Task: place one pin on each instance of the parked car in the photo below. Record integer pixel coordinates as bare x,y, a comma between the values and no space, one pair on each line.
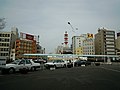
82,62
19,65
68,63
34,65
55,64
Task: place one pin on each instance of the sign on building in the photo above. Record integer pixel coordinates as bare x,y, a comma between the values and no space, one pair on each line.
90,35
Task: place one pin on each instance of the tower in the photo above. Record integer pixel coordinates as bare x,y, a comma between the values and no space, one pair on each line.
66,39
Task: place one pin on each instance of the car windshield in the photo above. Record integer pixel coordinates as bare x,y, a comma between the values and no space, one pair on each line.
15,62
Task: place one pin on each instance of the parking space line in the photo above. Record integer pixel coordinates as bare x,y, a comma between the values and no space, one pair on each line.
111,69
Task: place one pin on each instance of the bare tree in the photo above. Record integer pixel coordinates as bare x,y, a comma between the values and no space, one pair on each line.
2,23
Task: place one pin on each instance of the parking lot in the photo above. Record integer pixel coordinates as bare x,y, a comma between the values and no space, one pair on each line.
103,77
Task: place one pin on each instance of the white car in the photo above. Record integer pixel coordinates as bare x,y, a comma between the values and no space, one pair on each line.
34,66
19,65
55,63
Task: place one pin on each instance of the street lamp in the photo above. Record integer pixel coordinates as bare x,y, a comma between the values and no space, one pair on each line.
72,27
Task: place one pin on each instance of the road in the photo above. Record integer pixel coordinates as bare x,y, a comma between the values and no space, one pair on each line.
103,77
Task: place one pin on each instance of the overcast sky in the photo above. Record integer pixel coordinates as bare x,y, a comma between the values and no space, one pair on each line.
49,18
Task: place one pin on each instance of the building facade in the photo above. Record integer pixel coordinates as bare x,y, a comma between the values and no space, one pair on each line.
7,44
105,42
13,45
25,44
118,44
88,46
83,44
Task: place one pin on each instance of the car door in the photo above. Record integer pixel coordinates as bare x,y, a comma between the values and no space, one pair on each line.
28,64
60,63
56,63
20,65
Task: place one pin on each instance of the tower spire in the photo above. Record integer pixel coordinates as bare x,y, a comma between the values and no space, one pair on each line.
66,39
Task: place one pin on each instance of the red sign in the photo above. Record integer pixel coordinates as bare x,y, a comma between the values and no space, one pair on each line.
29,37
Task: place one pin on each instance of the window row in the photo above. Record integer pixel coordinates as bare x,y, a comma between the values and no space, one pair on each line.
4,44
4,49
4,40
110,32
4,35
4,54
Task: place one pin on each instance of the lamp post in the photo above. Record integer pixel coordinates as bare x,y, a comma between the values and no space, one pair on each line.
72,27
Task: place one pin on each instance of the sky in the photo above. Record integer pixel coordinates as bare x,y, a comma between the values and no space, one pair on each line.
49,18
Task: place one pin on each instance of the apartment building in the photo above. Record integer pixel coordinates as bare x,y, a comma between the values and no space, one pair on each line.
88,46
118,44
105,42
7,40
83,44
25,44
77,45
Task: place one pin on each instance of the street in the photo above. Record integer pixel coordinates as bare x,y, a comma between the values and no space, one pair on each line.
103,77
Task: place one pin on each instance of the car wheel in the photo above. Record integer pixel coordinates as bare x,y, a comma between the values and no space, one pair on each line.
55,66
11,71
76,65
64,66
32,69
35,68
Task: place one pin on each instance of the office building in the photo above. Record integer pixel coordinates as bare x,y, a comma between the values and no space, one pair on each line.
118,44
7,44
105,42
25,44
83,44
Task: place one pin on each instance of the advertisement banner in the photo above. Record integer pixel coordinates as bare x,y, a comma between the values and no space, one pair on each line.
29,37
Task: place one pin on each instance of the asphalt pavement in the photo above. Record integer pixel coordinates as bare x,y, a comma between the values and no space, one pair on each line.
103,77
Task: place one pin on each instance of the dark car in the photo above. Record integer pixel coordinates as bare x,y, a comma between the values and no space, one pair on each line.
82,62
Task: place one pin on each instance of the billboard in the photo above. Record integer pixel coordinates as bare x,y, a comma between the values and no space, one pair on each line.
29,37
90,35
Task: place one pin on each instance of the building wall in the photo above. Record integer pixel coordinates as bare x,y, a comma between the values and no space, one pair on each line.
76,43
118,45
7,44
105,42
88,46
5,39
24,46
59,50
79,51
83,44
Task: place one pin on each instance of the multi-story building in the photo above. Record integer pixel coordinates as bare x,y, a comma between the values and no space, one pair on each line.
88,45
7,40
25,44
83,44
59,50
105,42
39,47
13,47
77,44
118,44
